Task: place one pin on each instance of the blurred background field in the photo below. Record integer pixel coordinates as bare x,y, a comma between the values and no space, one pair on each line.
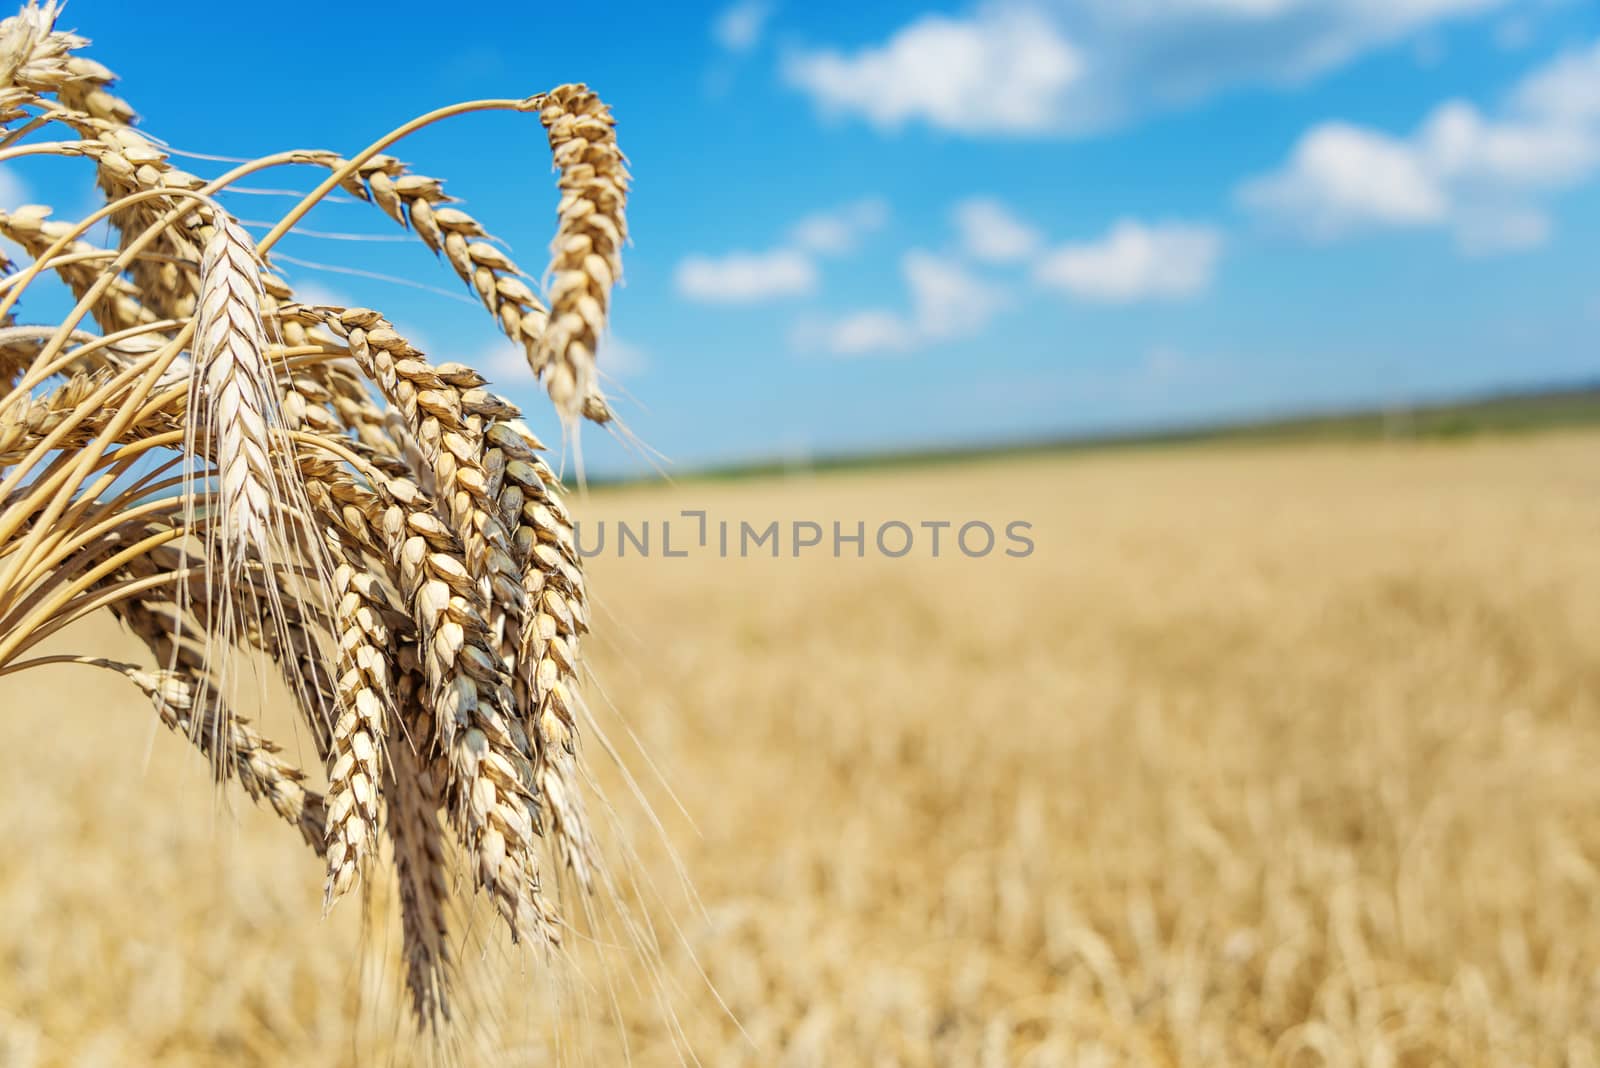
1268,754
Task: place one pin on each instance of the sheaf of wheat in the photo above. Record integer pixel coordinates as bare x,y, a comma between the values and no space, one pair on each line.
234,473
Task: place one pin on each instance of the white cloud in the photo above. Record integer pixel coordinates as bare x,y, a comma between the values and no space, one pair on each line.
1003,71
746,277
1136,261
833,233
789,270
872,331
739,28
1482,176
1567,89
990,233
1457,142
948,302
1043,67
1341,177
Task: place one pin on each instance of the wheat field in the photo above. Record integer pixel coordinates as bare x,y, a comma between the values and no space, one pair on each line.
1266,755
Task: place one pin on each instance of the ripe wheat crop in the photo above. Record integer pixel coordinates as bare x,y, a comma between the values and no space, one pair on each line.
1270,756
246,479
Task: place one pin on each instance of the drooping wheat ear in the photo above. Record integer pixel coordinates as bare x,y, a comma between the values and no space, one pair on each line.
22,425
328,396
36,59
587,250
73,90
28,54
472,251
261,507
293,631
233,392
487,754
408,197
556,616
30,226
187,702
445,411
250,758
413,797
438,406
366,704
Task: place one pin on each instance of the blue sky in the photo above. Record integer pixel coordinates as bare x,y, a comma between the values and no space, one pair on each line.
889,225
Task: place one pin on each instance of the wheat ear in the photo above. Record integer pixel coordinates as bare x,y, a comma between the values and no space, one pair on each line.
586,254
31,227
366,704
413,797
555,617
233,392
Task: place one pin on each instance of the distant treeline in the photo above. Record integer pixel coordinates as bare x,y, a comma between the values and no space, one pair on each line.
1507,412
